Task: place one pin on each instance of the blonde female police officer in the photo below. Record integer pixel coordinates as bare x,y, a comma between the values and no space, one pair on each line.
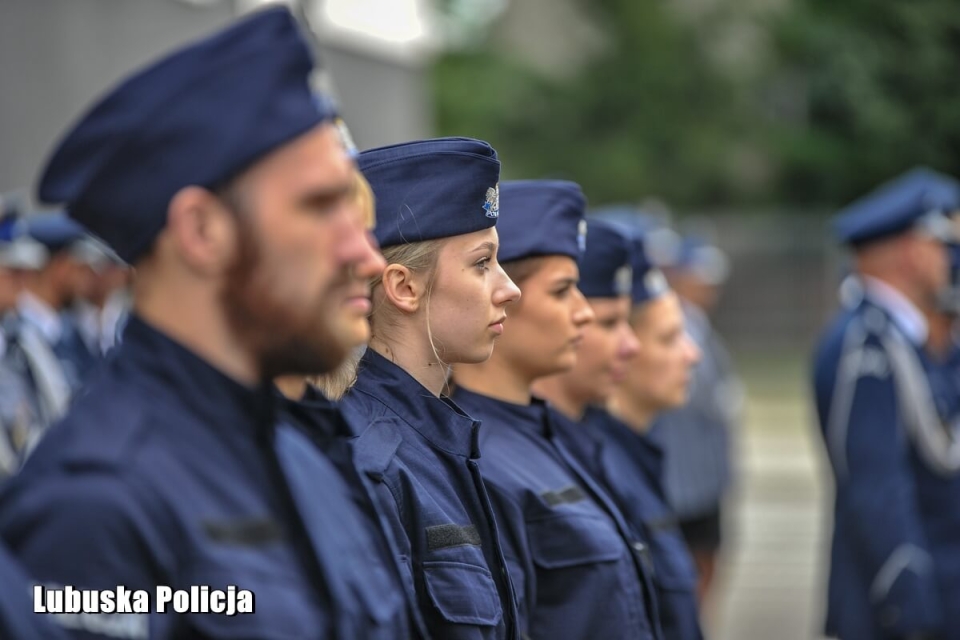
217,175
441,299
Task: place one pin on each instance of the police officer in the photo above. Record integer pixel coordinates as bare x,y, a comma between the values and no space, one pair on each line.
50,292
577,567
696,438
896,521
20,422
220,177
620,283
439,301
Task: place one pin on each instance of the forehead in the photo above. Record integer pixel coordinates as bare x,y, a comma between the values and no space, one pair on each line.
315,160
470,241
554,268
605,307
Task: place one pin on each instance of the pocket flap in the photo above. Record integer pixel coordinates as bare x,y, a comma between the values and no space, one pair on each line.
463,593
573,539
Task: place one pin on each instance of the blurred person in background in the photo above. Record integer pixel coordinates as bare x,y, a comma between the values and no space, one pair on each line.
441,300
44,348
616,279
894,564
175,466
50,292
696,437
20,423
103,303
580,570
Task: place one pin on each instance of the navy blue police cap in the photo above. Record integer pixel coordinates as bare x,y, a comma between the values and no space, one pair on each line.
702,259
648,281
541,218
431,189
199,116
919,198
606,269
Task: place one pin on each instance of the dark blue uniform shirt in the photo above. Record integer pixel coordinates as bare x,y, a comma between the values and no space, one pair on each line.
578,568
17,618
895,556
422,452
167,472
323,421
629,467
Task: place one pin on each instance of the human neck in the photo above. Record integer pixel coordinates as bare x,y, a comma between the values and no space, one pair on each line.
292,387
416,358
555,391
632,413
902,285
496,379
199,324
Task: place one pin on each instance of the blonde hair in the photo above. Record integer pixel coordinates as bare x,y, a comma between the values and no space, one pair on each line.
334,384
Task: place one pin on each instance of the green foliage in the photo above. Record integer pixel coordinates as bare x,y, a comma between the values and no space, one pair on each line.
646,116
848,94
882,94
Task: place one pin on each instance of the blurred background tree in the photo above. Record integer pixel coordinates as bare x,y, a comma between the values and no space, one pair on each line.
708,103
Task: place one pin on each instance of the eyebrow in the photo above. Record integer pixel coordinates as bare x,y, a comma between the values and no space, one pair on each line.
566,282
489,246
325,194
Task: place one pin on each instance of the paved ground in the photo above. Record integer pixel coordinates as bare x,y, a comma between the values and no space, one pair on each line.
772,582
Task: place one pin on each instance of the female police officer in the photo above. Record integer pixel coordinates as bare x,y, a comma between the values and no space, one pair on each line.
627,464
573,558
440,300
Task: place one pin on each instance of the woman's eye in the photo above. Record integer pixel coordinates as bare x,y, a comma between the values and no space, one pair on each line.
483,264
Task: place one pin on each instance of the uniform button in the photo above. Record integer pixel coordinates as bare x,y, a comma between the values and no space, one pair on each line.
639,546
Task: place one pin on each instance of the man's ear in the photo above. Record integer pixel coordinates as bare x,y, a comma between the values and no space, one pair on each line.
202,230
403,288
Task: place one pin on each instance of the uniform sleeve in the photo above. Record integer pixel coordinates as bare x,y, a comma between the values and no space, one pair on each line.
876,497
88,532
511,526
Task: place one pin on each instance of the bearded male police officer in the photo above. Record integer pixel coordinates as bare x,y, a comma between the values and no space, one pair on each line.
895,569
215,173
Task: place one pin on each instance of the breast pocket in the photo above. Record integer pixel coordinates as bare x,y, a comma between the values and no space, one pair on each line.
573,539
462,593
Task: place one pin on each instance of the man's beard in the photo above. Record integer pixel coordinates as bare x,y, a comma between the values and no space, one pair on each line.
284,339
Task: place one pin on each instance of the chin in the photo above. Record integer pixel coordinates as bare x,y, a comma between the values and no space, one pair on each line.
564,363
354,334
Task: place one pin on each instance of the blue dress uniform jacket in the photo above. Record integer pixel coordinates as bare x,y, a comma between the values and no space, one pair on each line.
629,467
579,570
167,472
895,557
17,618
422,453
322,420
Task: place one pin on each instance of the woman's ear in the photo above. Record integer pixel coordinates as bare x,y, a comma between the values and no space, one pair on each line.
403,288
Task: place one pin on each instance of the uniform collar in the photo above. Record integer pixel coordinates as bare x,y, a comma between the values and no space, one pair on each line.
534,417
40,315
439,420
217,399
904,313
317,413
